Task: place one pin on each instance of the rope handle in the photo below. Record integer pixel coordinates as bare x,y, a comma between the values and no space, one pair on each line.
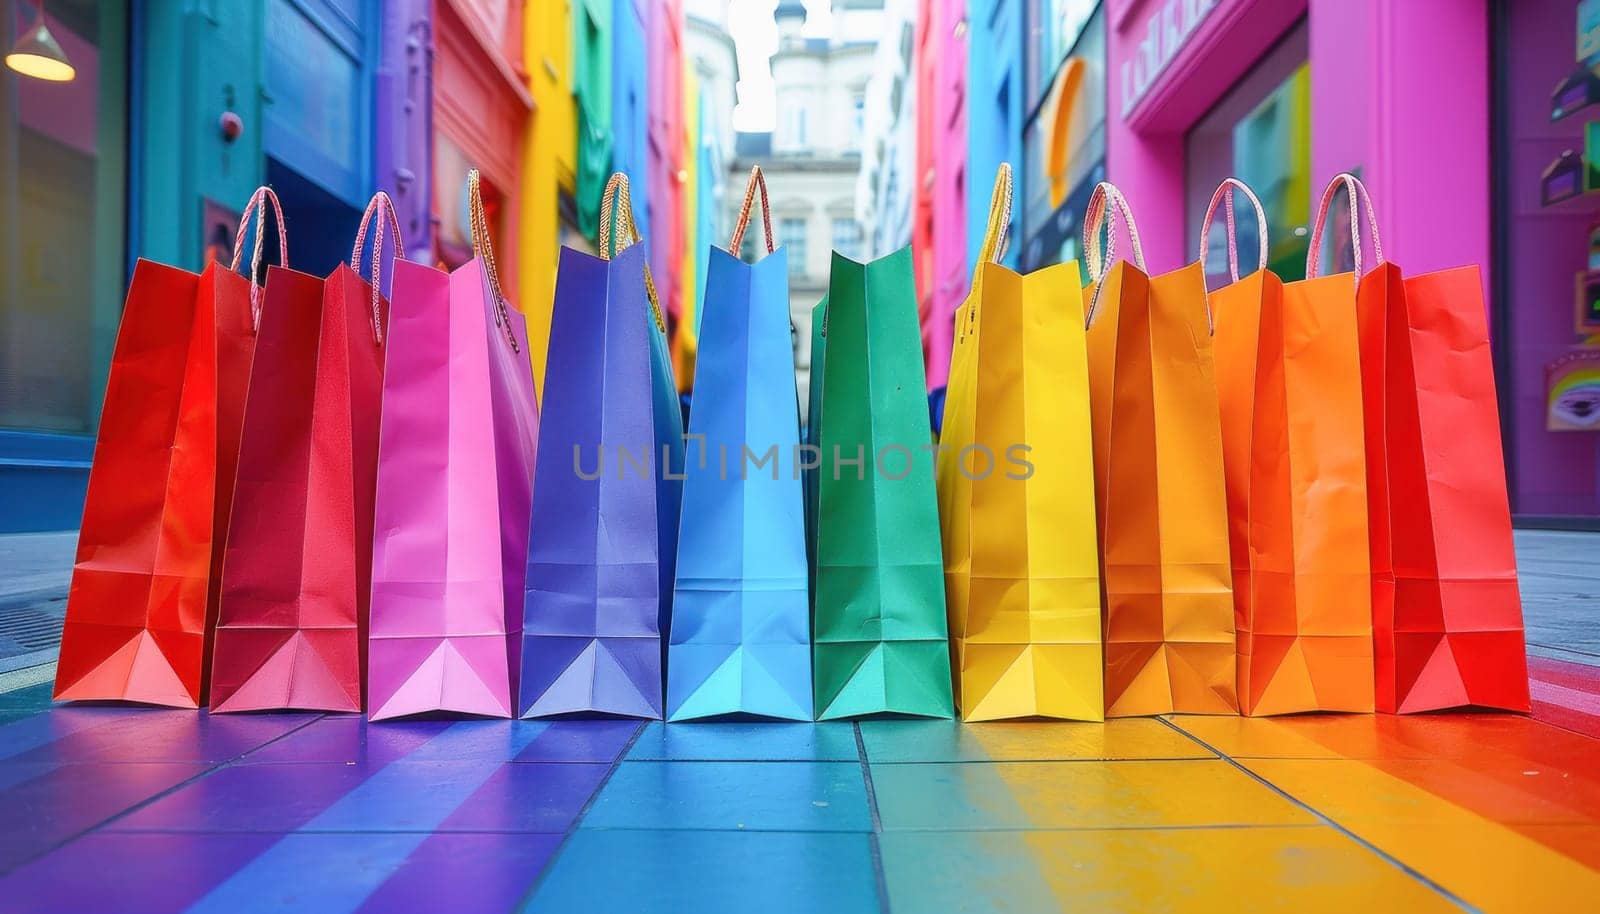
484,250
998,234
1357,193
616,206
758,181
1225,197
1105,205
380,202
263,193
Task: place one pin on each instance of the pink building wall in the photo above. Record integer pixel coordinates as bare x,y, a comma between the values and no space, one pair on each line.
1399,91
664,33
949,163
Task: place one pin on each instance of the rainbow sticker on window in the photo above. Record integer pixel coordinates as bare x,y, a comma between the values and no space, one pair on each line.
1573,385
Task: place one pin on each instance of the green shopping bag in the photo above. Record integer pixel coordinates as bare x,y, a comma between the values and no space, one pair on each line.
812,462
880,636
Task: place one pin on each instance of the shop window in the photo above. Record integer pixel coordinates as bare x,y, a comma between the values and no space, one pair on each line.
453,240
1260,132
63,191
1546,293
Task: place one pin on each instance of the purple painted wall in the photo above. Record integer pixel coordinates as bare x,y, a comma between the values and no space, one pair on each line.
1553,473
405,119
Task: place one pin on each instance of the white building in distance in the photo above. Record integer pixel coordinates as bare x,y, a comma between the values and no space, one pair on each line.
812,158
885,187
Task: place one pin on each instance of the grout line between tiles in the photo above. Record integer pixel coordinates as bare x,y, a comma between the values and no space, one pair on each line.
880,879
577,820
1381,853
214,768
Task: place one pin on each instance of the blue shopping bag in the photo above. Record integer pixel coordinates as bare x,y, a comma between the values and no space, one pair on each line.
740,641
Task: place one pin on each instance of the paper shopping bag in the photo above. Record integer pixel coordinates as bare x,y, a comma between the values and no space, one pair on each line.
879,629
1016,493
603,521
1158,481
292,620
143,598
741,626
455,474
1447,615
1289,384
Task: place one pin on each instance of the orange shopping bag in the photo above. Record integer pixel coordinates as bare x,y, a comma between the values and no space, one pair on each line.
1289,384
1162,509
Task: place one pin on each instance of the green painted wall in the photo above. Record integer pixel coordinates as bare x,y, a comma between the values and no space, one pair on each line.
202,58
591,68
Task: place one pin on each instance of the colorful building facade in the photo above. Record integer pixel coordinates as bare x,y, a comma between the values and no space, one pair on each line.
592,43
665,193
994,110
942,65
630,99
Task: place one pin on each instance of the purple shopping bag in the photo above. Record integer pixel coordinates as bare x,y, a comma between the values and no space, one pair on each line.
604,517
455,474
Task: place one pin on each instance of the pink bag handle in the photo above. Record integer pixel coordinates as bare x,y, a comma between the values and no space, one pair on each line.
758,181
1102,202
255,206
1358,195
1224,197
380,206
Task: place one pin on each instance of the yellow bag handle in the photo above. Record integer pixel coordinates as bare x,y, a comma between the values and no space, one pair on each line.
758,182
483,250
998,234
616,206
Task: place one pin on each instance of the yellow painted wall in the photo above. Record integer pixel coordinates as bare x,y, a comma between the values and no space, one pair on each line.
687,344
550,166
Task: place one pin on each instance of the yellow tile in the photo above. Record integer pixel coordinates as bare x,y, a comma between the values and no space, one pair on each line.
1492,866
1409,790
1251,737
973,796
1239,869
1122,738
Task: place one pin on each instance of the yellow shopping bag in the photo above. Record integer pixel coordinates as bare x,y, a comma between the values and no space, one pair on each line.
1016,493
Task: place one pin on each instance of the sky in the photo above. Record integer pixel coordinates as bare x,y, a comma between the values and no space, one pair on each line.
755,36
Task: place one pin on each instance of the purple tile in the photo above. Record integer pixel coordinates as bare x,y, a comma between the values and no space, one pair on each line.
350,739
132,873
40,728
526,797
465,874
581,741
157,736
250,798
62,801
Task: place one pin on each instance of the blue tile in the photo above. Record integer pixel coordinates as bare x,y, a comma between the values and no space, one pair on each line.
746,742
31,698
464,874
328,874
767,796
641,872
406,796
581,741
973,872
528,797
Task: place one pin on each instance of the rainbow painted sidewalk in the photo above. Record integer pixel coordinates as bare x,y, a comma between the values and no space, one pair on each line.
130,810
122,810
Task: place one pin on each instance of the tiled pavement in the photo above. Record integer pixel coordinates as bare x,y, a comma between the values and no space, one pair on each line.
106,809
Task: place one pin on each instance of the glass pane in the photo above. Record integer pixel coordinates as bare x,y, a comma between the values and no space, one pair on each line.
1260,133
1548,274
62,221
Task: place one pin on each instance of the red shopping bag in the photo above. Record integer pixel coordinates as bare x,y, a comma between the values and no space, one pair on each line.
296,576
144,592
1447,615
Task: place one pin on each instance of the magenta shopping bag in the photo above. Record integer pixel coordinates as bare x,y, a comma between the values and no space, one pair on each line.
455,477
